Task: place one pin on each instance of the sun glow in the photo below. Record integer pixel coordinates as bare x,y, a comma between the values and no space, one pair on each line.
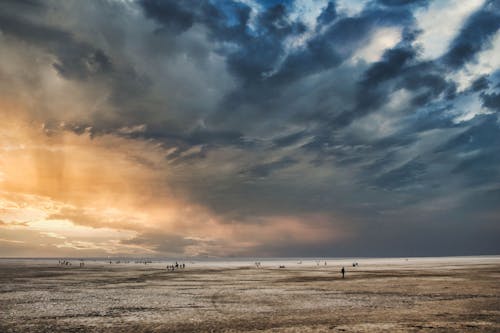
66,191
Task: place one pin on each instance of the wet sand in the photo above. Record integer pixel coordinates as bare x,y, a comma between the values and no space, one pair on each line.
398,296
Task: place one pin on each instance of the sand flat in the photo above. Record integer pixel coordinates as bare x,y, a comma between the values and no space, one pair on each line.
397,295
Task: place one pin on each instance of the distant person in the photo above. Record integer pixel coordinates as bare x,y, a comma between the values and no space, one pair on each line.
342,271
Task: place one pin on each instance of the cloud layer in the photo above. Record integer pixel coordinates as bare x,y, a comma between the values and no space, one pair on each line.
249,128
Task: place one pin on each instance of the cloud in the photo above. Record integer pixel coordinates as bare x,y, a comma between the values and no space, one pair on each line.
248,128
403,2
481,83
74,58
132,129
328,14
408,174
265,169
474,35
98,218
491,101
172,14
166,244
436,33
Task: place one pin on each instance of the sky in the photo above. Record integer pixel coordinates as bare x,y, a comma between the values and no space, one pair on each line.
249,128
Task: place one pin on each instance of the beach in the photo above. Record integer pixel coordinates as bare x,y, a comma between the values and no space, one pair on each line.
307,295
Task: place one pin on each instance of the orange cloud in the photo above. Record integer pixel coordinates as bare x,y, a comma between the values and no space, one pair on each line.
111,194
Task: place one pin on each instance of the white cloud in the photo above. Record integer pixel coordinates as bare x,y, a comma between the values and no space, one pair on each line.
133,129
441,22
381,40
487,62
351,7
307,11
467,107
386,121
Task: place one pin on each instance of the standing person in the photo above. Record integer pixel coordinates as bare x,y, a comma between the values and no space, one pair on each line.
343,272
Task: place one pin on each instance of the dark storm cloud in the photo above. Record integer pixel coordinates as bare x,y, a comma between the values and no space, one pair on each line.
289,139
406,175
328,14
372,92
491,101
266,113
198,137
480,83
475,35
433,119
172,14
260,59
338,41
76,59
266,169
479,148
399,68
397,140
13,6
429,82
481,168
393,62
256,51
403,2
482,133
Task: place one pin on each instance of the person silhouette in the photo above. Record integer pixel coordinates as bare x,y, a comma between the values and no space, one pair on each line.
343,272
